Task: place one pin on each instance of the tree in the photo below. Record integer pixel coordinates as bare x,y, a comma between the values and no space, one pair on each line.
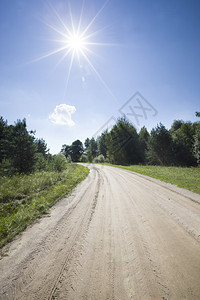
183,140
196,146
76,150
59,162
24,148
19,147
66,150
101,141
41,147
3,126
176,125
123,145
143,140
93,147
197,114
160,146
87,144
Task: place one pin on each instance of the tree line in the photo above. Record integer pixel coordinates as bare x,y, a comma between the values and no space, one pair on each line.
21,152
178,146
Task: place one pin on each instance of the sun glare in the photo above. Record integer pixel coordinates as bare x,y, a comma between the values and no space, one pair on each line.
76,41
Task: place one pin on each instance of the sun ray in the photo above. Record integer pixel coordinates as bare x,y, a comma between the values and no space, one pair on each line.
60,19
76,41
56,30
80,19
71,18
93,20
49,54
70,67
97,73
63,57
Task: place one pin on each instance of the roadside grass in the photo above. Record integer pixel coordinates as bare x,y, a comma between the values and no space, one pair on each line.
188,178
25,198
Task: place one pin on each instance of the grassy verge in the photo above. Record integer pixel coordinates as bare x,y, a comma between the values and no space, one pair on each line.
188,178
25,198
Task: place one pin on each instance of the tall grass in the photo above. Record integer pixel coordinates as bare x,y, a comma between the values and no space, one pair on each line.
24,198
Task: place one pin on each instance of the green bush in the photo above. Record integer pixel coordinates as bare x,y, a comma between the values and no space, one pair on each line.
99,159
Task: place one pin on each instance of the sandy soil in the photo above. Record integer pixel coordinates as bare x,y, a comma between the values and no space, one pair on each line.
119,235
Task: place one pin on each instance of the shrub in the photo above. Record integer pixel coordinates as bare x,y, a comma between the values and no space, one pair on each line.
99,159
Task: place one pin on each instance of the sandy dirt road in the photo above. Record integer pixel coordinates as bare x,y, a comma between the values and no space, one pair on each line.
120,235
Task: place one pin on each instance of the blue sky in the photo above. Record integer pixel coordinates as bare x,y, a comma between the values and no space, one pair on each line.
152,47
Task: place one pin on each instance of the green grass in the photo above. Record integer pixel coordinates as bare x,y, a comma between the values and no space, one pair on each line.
188,178
24,198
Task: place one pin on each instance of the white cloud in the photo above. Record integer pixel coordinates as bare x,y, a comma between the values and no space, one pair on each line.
62,115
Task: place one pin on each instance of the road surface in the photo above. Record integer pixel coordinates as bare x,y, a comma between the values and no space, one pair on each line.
119,235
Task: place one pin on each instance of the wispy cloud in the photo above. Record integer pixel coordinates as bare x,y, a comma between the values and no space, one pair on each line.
62,115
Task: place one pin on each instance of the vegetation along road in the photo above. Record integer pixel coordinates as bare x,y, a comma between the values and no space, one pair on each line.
119,235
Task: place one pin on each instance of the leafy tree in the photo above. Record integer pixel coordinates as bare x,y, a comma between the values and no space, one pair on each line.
76,150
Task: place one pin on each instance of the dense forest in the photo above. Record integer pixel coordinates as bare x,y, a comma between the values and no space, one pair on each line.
178,146
22,153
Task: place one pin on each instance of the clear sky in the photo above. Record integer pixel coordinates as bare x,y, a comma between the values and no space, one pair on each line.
150,47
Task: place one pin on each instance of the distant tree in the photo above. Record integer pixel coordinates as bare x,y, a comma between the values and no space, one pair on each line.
76,150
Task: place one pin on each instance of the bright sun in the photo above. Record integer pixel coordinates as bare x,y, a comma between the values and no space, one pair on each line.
75,40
